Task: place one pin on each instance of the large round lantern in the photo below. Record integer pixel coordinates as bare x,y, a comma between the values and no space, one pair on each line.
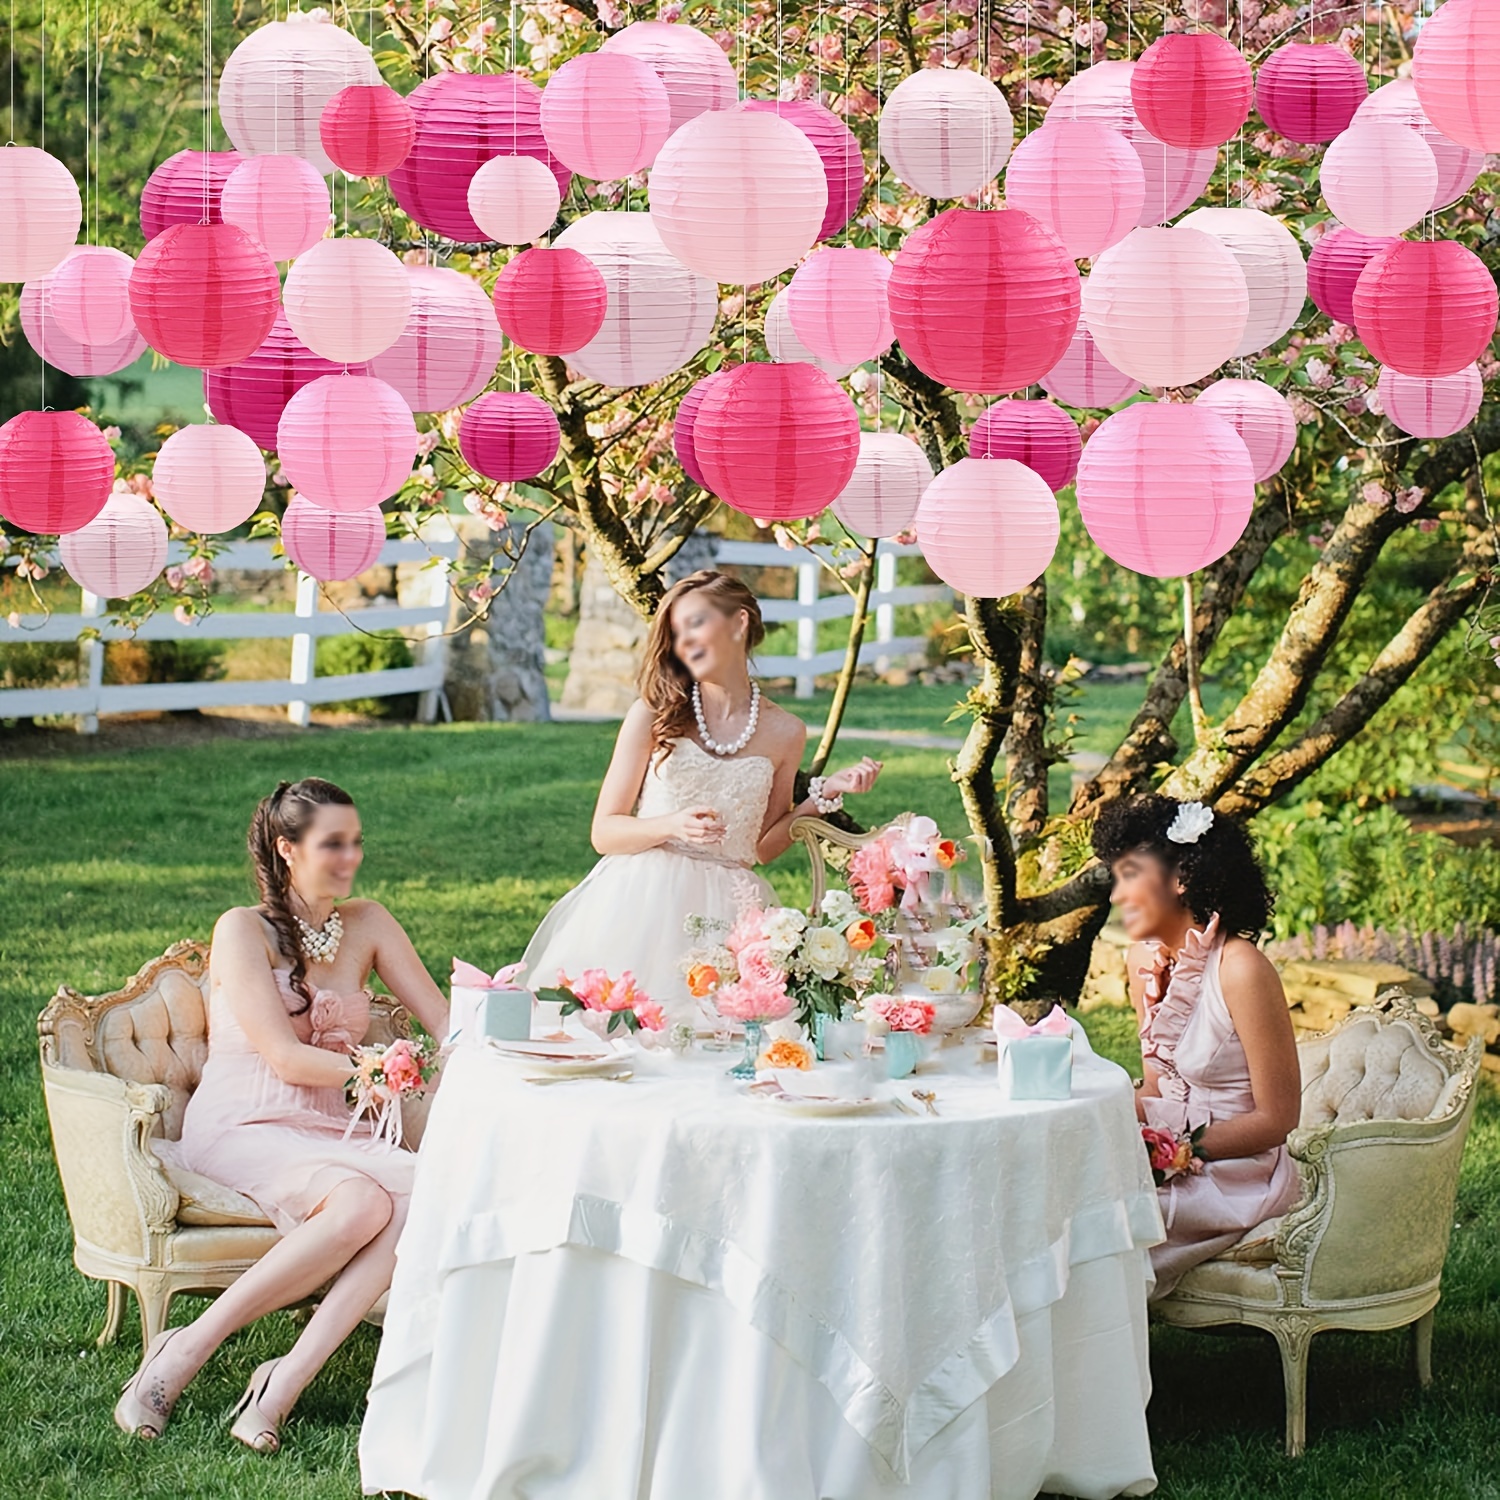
1458,166
1084,378
186,189
1275,273
1425,307
550,301
683,423
659,313
89,295
1165,489
347,300
280,201
738,195
514,199
839,306
1431,408
890,477
778,442
1167,306
1378,177
331,546
838,148
450,345
1262,417
1191,89
988,526
984,302
605,115
367,129
1035,433
1308,91
692,66
59,348
121,551
1454,68
42,216
1333,269
209,479
509,436
56,471
1082,180
946,132
783,345
347,442
204,294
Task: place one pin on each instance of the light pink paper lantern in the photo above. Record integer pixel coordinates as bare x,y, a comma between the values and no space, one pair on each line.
1454,68
783,345
121,551
1333,269
209,479
450,346
988,527
1035,433
1309,91
1082,180
90,295
330,546
890,477
514,199
42,216
509,436
1458,166
347,442
280,201
60,349
1165,489
946,132
347,300
1275,273
837,146
838,304
606,114
186,189
1431,408
692,66
1262,417
1378,177
1084,378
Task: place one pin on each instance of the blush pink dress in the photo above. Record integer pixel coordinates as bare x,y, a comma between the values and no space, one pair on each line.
1188,1036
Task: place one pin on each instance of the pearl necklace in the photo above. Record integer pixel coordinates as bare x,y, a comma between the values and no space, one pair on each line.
709,742
321,944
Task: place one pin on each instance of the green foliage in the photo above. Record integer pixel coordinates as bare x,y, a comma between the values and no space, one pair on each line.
38,664
343,655
164,661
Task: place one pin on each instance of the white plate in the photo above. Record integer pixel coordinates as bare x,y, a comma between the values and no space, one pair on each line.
552,1059
815,1104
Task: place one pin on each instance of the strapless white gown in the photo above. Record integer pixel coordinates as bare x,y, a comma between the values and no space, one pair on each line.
629,911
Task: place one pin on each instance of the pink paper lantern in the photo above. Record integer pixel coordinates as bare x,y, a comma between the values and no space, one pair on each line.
90,295
347,442
1378,177
1458,166
121,551
605,115
1425,308
204,294
1191,89
984,302
890,477
1082,180
1165,489
280,201
988,527
61,350
838,148
839,306
329,545
1167,306
347,300
1333,269
1431,408
550,301
1454,68
1084,378
946,132
1275,273
1035,433
450,346
43,213
1309,91
367,129
464,120
692,66
783,345
186,189
1262,417
209,479
777,442
509,436
683,422
56,470
514,199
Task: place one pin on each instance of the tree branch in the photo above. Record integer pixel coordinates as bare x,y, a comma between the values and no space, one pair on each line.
1027,758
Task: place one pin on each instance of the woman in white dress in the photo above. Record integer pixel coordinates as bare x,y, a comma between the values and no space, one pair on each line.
698,792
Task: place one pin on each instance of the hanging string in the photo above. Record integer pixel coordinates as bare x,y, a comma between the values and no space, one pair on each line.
879,173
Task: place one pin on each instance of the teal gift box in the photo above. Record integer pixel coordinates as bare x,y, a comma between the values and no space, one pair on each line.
1037,1067
480,1013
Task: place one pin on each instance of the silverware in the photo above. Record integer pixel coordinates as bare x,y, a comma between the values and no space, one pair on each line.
904,1107
582,1078
929,1099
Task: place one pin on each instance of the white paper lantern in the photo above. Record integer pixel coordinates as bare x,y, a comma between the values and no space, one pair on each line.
42,216
209,478
1083,180
890,477
514,199
59,348
946,132
1430,408
1378,177
120,551
1275,273
90,294
692,66
280,201
783,345
1458,166
1262,417
988,526
450,346
347,300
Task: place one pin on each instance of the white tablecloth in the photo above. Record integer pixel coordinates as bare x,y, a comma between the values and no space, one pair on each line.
665,1289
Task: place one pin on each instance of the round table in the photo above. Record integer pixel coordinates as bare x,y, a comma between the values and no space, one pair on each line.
668,1288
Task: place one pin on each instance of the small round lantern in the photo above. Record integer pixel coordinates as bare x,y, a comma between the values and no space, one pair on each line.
60,349
946,132
838,148
347,442
514,199
988,527
56,471
1191,89
89,295
1035,433
209,479
331,546
280,201
509,436
1454,68
1378,177
367,129
605,115
682,426
450,346
1275,273
121,551
839,306
1431,408
186,189
890,477
691,65
1425,307
1082,180
347,300
1309,91
783,345
1084,378
550,301
1333,269
43,212
1262,417
1458,166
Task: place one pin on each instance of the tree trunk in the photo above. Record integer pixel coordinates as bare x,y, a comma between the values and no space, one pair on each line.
858,623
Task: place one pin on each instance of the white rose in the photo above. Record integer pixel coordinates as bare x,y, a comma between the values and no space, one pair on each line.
839,908
941,980
955,946
825,952
784,926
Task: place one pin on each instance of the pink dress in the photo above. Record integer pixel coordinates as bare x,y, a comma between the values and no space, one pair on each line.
1188,1036
282,1144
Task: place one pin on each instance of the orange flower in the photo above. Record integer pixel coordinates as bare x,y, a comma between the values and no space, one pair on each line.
861,935
947,854
702,979
785,1054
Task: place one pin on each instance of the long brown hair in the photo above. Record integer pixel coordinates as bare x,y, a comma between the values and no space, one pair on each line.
666,686
287,814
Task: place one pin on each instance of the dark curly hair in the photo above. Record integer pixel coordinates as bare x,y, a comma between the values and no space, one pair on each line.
1220,873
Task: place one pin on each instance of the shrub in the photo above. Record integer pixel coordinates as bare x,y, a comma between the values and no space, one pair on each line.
164,661
38,664
340,655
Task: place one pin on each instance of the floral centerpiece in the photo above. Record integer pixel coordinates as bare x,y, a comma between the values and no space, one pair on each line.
607,1004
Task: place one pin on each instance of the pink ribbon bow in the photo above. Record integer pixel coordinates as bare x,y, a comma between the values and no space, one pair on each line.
470,977
1010,1027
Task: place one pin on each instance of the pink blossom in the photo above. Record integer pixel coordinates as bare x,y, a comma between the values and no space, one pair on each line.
650,1014
591,986
671,12
200,568
1428,523
13,619
744,1001
749,927
622,994
176,577
183,615
1408,500
1161,1147
870,875
758,966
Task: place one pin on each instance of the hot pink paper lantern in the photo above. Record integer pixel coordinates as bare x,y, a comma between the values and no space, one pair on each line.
1308,91
1262,417
367,129
509,436
1167,306
204,294
550,301
280,201
1035,433
1333,268
783,345
347,442
347,300
692,66
121,551
890,477
90,295
1378,177
1431,408
450,346
1454,68
1165,489
329,545
43,212
209,479
1191,89
605,114
1275,273
514,199
777,442
1458,166
839,306
186,189
683,422
988,527
838,148
1084,378
984,302
61,350
56,470
1425,308
946,132
1082,180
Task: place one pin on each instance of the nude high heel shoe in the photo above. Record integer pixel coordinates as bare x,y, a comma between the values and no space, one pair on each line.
251,1425
132,1414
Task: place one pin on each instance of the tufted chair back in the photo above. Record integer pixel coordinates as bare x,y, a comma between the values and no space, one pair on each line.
1374,1067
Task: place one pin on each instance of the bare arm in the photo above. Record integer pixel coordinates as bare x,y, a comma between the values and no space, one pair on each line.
776,834
1138,957
404,974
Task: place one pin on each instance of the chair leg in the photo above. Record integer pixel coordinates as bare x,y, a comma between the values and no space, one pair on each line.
114,1313
1421,1344
154,1293
1294,1340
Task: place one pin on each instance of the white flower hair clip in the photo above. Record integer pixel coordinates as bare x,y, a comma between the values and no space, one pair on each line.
1193,820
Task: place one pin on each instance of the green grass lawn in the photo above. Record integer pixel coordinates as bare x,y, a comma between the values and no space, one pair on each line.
112,849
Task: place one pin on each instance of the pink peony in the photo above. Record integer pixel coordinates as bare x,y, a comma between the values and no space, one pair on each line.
622,993
592,987
749,927
758,967
747,1001
1161,1146
650,1014
402,1071
870,876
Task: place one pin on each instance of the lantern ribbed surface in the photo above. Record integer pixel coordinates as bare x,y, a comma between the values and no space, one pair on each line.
1035,433
513,199
1082,180
1262,417
1431,408
1308,91
890,477
838,149
1084,378
691,65
839,306
186,189
347,300
367,129
509,436
56,471
988,527
1191,89
1454,68
1425,308
605,115
984,302
1334,265
1457,166
682,425
783,345
121,551
1275,273
204,294
946,132
209,479
59,348
450,346
550,301
347,442
1378,177
777,442
280,201
43,212
89,295
330,546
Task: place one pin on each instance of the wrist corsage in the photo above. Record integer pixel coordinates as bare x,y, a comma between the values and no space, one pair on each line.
383,1077
1173,1155
824,805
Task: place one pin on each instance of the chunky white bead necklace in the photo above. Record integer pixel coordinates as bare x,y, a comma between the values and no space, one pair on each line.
321,944
709,742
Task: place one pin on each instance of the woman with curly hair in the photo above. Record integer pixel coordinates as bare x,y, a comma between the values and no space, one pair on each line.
1216,1040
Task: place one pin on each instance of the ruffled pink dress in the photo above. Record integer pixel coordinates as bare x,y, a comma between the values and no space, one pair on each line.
1188,1036
283,1144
